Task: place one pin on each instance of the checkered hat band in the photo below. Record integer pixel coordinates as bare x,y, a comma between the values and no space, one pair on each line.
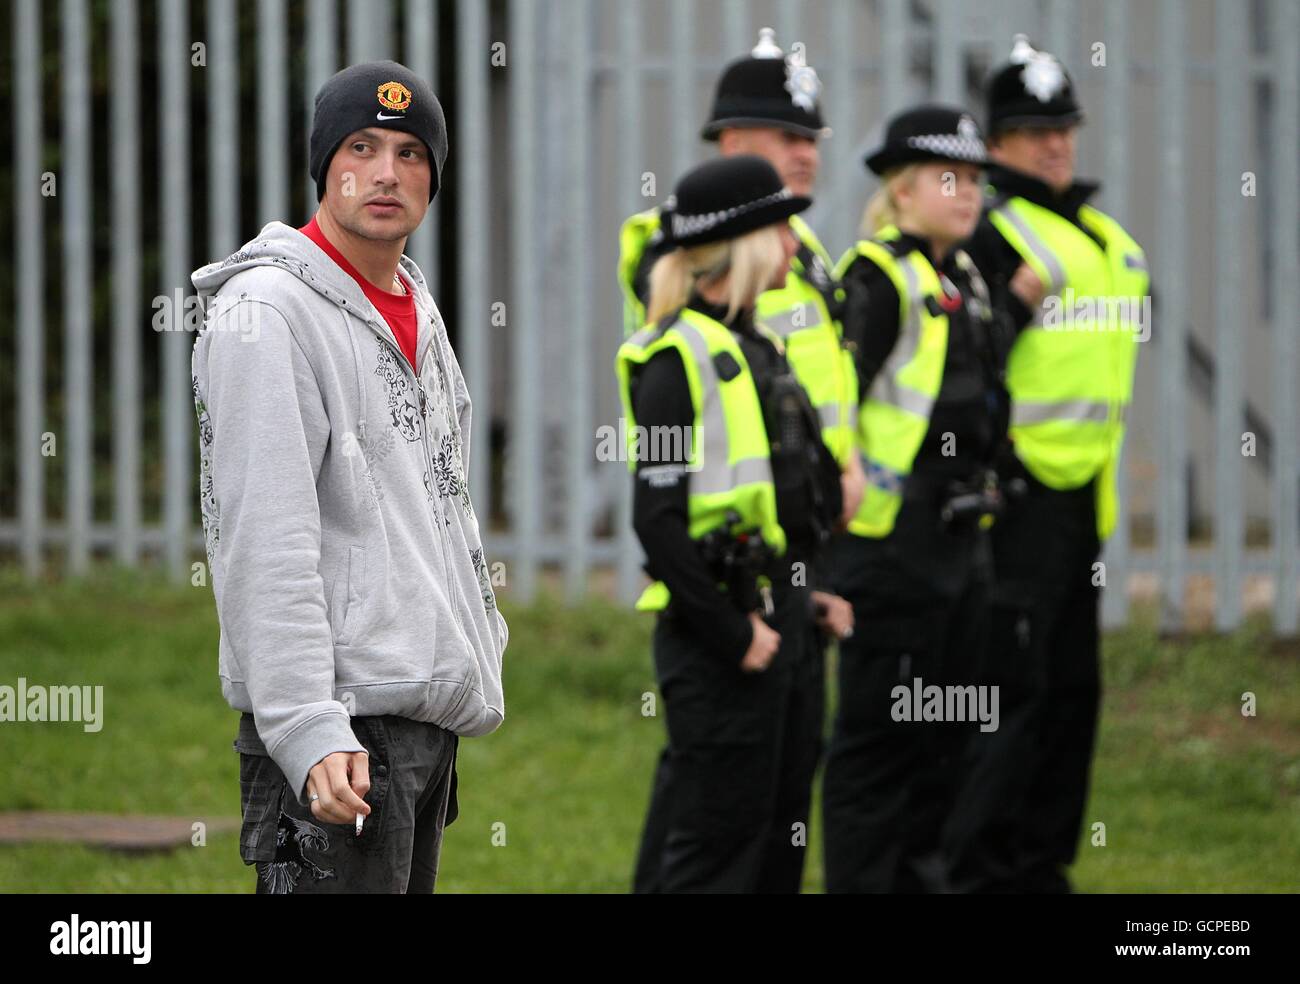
950,145
690,225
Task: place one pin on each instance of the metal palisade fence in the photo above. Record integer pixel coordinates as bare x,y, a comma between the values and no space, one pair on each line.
149,137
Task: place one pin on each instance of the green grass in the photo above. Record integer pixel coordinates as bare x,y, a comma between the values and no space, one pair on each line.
1195,797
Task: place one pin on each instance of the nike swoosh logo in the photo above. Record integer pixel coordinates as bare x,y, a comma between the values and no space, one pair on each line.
381,116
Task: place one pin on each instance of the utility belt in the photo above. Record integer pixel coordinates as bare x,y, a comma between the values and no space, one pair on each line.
979,499
963,503
740,562
1012,473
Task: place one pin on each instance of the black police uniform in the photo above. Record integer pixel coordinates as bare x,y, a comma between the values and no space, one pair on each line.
1027,783
784,864
1029,780
919,598
763,89
736,774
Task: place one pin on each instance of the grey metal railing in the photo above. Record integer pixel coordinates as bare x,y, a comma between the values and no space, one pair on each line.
558,111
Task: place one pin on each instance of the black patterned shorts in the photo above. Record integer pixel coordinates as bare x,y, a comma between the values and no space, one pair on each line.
412,797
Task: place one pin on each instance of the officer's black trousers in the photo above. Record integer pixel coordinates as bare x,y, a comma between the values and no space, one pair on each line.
890,785
804,654
1028,782
730,801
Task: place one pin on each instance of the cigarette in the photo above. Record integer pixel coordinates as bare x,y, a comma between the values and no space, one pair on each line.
360,820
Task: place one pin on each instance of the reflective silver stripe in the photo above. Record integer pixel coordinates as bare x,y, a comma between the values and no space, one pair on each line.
829,414
794,319
903,397
716,475
885,387
643,337
710,480
1085,411
716,447
1036,246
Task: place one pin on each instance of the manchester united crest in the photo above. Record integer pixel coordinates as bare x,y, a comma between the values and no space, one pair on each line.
394,95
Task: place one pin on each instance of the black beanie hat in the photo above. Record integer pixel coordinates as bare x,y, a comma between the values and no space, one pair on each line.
381,94
726,197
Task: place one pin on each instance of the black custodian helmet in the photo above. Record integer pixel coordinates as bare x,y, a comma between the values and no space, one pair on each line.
1031,89
768,88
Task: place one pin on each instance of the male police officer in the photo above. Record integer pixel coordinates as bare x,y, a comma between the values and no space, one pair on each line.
767,104
1073,282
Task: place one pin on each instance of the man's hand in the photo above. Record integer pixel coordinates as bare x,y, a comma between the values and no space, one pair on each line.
853,485
762,647
1026,286
341,779
834,614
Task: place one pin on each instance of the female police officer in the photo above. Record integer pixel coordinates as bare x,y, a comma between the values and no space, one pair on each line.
734,495
915,564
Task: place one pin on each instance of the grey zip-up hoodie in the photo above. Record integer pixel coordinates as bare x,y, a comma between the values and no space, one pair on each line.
345,554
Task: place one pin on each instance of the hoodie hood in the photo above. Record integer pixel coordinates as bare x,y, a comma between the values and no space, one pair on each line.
284,247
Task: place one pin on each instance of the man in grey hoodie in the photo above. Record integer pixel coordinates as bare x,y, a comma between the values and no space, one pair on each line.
359,629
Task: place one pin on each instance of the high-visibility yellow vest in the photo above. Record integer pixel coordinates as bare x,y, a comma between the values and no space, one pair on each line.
797,312
896,413
814,341
730,464
1070,372
633,237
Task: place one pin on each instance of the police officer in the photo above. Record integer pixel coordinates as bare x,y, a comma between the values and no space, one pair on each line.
1072,280
916,564
768,104
734,495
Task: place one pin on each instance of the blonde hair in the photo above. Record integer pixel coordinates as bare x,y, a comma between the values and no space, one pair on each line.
882,208
748,263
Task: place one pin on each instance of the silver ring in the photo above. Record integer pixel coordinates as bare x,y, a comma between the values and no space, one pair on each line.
315,797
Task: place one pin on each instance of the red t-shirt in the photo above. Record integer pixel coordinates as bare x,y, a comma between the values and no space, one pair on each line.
398,310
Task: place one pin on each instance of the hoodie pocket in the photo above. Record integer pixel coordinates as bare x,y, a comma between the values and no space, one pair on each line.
348,596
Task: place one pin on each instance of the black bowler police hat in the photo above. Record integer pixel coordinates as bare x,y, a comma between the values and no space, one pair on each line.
767,89
1031,89
726,197
928,133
